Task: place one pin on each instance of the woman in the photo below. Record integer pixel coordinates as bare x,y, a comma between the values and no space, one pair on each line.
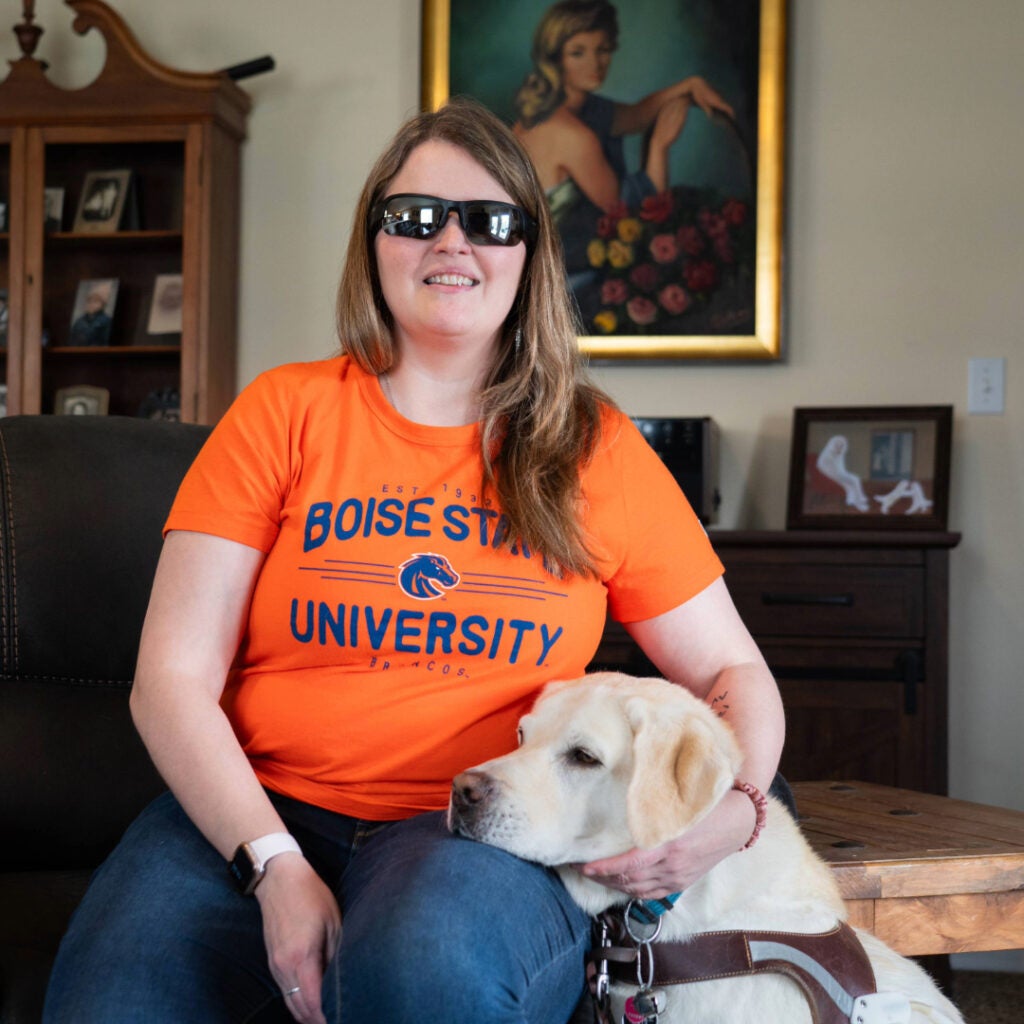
574,136
374,565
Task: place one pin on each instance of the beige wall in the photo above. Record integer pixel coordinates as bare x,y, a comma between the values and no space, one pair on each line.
904,257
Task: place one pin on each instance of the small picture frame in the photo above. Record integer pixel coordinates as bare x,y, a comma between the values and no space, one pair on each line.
870,468
82,400
102,202
3,399
165,309
3,318
3,216
161,404
53,207
93,315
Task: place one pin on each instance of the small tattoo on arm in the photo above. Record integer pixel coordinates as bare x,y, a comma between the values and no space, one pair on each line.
719,705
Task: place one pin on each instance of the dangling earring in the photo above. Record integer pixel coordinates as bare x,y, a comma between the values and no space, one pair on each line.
519,342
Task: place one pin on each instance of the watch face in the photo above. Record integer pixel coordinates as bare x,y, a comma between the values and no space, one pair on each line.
244,869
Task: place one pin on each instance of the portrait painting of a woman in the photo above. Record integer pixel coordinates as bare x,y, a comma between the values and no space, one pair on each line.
642,123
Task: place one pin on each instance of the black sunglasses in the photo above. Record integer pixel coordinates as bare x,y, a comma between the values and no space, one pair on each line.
484,221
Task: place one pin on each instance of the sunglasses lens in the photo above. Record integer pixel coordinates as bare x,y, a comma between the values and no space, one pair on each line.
412,217
497,223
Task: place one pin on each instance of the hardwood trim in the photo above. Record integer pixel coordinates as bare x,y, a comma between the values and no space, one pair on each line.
32,293
16,297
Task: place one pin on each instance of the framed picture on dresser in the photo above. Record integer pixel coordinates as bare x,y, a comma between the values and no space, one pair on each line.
870,468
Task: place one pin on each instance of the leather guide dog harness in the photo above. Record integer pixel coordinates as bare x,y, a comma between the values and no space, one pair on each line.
831,968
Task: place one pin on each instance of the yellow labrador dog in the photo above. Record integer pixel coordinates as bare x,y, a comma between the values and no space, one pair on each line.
608,763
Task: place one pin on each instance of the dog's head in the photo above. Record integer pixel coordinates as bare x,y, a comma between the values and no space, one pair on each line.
605,763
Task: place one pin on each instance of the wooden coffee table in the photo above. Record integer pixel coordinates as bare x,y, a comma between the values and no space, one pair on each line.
927,874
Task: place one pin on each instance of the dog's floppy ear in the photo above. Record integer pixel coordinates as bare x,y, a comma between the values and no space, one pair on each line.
681,769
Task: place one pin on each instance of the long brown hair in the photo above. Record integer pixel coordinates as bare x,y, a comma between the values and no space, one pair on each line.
540,415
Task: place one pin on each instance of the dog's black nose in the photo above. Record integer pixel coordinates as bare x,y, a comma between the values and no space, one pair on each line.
471,789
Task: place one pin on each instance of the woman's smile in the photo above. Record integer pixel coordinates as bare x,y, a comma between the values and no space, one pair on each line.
454,280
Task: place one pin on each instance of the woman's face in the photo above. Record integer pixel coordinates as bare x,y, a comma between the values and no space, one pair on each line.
586,58
445,290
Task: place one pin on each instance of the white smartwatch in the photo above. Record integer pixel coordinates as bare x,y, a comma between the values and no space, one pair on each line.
249,864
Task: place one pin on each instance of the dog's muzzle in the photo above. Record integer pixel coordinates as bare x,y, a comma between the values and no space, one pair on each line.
471,796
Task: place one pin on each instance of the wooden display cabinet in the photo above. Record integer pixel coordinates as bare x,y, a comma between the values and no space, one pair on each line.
180,135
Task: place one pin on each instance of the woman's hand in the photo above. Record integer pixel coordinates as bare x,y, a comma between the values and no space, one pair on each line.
675,866
301,929
707,98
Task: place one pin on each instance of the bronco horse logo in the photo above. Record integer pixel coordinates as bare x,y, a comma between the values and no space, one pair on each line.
426,576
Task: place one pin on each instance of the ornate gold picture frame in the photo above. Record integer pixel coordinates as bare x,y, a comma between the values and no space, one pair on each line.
691,271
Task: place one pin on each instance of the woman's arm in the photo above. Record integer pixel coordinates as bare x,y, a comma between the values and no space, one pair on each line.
704,646
194,624
668,125
633,118
193,627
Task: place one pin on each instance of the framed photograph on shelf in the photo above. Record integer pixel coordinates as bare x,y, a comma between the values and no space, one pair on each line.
671,222
93,313
870,468
165,308
161,404
53,203
102,202
82,400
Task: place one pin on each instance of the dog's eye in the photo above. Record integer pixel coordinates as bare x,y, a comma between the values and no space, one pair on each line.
583,757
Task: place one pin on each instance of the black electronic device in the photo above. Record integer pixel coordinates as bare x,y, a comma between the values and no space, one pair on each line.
689,448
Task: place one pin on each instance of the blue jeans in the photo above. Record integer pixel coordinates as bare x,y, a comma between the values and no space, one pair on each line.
435,928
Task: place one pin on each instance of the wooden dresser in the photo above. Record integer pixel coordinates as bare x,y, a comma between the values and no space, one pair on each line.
855,627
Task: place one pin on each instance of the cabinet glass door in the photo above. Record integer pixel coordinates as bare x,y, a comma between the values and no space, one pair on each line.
112,296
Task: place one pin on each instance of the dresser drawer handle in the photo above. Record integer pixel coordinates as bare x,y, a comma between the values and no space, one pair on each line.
829,600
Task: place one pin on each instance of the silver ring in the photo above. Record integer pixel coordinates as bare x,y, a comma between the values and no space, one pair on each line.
292,991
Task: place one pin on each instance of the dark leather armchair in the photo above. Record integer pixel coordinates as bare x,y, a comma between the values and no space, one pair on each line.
82,503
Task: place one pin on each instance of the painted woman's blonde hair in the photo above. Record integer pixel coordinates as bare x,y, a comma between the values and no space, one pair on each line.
540,415
541,92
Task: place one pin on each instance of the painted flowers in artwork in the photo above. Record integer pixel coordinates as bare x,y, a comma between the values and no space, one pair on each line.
668,259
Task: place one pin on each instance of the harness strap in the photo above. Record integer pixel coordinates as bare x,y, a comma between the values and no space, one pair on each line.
831,968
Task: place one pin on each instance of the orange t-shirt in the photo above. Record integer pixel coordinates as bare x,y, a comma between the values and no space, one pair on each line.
391,642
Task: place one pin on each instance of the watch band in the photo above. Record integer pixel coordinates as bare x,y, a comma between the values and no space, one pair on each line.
249,864
271,845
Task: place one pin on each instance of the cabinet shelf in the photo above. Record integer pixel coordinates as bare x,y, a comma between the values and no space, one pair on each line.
112,351
72,238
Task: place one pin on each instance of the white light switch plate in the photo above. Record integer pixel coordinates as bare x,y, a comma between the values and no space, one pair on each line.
986,386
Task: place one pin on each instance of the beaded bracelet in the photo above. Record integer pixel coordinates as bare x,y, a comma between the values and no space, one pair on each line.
760,808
